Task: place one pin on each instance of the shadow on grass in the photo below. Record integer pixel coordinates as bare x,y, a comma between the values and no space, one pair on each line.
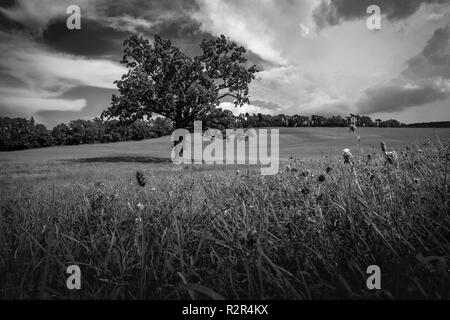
118,159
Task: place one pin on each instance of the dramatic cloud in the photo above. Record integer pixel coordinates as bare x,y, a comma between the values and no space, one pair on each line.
93,40
434,60
45,76
399,95
306,68
259,25
221,17
426,79
330,13
35,15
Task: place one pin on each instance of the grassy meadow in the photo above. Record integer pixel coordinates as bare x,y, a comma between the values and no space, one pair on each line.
211,232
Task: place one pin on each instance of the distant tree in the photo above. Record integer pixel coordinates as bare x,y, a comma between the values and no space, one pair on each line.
41,136
318,121
365,121
140,130
162,126
219,119
336,121
390,123
61,134
83,131
163,80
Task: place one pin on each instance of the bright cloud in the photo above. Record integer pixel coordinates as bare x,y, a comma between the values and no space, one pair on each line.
47,75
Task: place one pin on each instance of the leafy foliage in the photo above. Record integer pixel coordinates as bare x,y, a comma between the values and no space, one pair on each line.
19,134
163,80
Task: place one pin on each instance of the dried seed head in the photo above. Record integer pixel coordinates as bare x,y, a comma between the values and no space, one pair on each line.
306,173
391,157
321,178
383,147
140,178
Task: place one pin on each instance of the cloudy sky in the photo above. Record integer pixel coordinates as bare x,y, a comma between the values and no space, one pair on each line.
315,56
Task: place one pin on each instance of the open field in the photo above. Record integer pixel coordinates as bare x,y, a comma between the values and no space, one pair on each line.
210,232
298,142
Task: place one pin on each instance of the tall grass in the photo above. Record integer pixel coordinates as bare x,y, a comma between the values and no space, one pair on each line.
309,232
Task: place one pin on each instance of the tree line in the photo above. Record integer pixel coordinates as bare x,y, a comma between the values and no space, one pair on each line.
20,133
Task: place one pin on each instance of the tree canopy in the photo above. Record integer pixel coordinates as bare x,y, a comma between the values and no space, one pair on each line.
163,80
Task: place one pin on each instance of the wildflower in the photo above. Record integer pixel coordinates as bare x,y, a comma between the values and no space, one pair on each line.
369,157
237,172
329,170
289,168
416,180
347,155
140,206
99,184
306,173
391,157
140,178
321,178
153,189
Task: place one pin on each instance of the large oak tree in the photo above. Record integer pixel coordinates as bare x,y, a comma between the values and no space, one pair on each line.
163,80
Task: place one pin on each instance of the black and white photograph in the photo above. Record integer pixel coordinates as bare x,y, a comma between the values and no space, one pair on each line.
249,151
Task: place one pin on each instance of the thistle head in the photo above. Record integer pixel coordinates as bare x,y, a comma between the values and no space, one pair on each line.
140,178
321,178
140,206
347,155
